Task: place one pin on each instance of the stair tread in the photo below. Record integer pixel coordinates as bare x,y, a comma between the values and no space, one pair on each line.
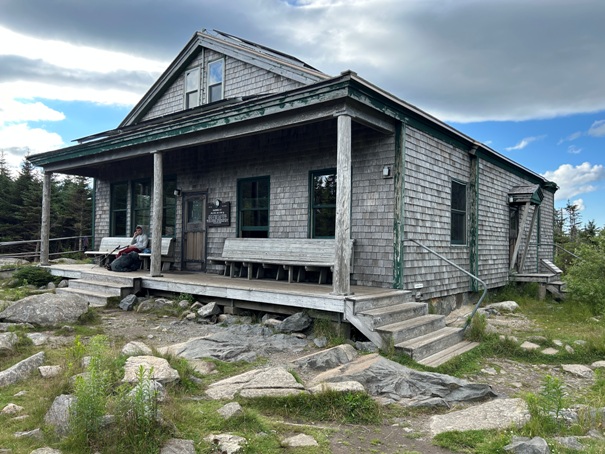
384,294
413,322
101,283
84,292
445,355
428,338
391,309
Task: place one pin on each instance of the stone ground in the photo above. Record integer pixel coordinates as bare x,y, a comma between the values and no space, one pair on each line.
408,435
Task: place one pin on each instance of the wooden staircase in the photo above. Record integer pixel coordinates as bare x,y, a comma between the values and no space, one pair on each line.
100,289
392,320
549,277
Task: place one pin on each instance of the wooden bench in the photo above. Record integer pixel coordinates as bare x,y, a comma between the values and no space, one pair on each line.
284,254
110,247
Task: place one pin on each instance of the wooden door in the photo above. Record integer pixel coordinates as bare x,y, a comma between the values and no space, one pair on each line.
513,234
194,232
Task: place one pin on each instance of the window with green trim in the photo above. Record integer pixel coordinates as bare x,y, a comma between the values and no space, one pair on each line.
322,203
458,213
118,209
142,193
253,207
169,214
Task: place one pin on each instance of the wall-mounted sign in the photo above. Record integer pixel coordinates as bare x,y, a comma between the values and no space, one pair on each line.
219,214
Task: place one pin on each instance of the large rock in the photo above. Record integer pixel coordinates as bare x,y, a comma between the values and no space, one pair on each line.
396,383
47,309
497,414
209,310
327,359
272,381
21,370
297,322
159,367
236,343
58,414
136,348
504,306
227,443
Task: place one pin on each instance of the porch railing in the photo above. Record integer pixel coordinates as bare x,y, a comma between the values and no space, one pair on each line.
81,240
556,246
472,276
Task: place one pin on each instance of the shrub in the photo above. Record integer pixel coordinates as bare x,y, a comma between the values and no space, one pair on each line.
586,276
32,275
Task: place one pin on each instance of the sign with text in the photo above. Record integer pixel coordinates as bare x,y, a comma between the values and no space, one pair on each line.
219,214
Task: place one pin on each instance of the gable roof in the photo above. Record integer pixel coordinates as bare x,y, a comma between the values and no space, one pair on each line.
232,46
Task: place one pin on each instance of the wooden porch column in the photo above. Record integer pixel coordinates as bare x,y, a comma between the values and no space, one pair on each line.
534,217
513,262
155,268
45,229
342,262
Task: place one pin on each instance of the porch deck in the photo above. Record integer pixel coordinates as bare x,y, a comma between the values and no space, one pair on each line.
260,294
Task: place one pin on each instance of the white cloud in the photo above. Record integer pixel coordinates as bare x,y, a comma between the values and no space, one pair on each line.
571,137
524,143
597,129
12,110
574,150
68,55
575,180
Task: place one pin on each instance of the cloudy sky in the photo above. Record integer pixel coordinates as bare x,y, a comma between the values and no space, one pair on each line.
526,77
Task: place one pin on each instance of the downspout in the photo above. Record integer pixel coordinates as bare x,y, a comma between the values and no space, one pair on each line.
399,207
474,216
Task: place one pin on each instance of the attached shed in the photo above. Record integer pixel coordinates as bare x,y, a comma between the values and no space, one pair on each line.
236,140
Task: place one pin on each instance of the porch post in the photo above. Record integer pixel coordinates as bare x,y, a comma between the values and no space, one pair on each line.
342,262
45,228
156,218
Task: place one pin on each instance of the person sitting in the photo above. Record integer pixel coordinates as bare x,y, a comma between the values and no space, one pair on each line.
138,243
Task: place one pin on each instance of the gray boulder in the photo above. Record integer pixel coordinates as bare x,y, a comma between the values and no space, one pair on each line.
396,383
21,370
209,310
128,302
58,414
47,309
272,381
158,368
524,445
504,306
327,359
297,322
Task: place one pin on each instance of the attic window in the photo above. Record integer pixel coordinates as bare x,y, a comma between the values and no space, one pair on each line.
216,76
192,88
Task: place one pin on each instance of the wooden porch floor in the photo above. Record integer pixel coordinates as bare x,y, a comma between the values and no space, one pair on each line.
265,294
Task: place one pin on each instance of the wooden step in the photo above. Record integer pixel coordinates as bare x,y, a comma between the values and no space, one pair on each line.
431,343
94,299
100,287
382,316
444,356
383,299
409,329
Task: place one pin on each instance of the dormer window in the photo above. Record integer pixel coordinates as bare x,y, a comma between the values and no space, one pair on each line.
216,76
192,88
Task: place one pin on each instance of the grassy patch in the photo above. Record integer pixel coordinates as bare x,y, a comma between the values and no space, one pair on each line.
349,407
473,441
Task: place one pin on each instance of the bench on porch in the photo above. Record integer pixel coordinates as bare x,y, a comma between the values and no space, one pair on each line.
296,256
111,245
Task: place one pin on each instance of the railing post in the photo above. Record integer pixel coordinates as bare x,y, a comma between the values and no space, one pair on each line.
45,226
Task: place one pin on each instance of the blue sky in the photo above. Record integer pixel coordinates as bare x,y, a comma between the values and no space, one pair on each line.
524,77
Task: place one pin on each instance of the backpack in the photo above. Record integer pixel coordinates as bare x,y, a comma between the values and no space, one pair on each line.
126,262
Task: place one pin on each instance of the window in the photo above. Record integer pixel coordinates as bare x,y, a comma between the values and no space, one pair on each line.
253,207
141,204
216,75
192,88
323,203
119,209
169,214
458,228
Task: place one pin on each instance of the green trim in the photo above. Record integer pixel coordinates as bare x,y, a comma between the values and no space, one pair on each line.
509,167
399,208
239,208
94,210
312,206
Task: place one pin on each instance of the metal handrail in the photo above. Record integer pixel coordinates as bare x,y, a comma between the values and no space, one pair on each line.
461,269
560,247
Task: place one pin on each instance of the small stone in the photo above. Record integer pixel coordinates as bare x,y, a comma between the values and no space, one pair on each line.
529,346
11,409
299,441
49,371
230,410
320,342
598,365
36,433
550,351
489,371
578,369
569,349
